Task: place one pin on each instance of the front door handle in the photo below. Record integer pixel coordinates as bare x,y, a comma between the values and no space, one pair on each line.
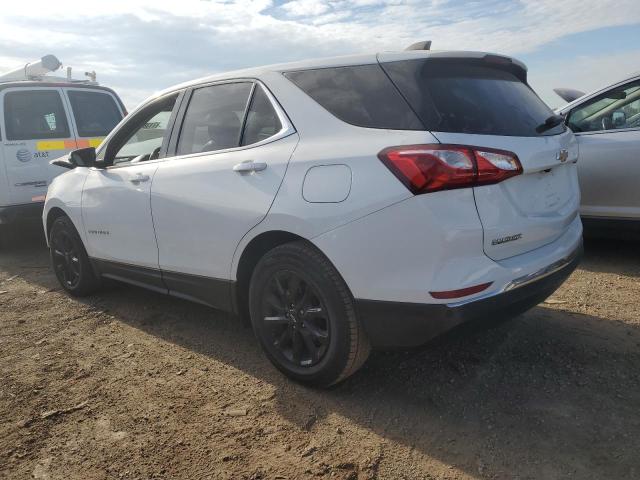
139,179
249,166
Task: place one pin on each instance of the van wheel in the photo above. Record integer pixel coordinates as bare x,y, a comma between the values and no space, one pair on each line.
69,259
304,317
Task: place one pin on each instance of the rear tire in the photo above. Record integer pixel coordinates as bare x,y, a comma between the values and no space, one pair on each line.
304,317
69,259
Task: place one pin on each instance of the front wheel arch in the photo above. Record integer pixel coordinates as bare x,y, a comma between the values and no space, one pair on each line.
52,216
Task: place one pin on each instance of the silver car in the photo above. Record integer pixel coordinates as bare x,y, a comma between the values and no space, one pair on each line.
607,125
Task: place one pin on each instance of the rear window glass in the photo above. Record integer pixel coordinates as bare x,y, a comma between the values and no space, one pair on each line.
360,95
470,98
34,114
95,113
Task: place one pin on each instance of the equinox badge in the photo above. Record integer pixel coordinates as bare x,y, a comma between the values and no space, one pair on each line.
510,238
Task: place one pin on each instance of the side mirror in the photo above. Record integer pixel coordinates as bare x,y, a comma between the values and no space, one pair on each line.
618,118
83,157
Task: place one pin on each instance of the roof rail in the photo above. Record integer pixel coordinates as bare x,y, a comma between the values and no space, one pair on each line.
424,45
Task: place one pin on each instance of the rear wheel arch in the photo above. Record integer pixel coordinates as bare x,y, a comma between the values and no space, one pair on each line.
251,255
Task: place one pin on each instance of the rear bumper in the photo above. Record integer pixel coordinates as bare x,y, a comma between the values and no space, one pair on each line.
398,324
27,212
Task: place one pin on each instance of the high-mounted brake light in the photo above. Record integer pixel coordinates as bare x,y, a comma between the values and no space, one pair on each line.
429,168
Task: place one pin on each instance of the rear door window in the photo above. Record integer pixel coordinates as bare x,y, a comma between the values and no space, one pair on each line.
361,95
469,97
95,113
34,114
213,120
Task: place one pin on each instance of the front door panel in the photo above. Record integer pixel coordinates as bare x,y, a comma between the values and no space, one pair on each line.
116,212
608,170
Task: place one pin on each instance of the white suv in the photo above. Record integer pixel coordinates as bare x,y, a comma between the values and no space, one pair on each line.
339,204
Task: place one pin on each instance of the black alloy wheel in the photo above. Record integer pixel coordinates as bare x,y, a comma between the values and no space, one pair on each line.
304,316
69,259
65,259
295,316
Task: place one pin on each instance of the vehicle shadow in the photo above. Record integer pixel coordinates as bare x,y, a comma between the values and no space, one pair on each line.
551,394
617,256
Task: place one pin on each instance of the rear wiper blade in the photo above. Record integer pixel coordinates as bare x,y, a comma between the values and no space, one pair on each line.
549,123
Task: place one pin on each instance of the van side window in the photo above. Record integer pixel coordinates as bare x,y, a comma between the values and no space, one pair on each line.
213,120
262,120
95,113
34,114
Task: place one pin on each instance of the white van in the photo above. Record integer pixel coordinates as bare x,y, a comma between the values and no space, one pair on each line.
43,118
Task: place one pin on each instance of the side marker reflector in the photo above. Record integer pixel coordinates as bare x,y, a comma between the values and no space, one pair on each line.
463,292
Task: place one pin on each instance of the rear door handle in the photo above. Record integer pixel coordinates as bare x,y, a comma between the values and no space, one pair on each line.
139,179
249,166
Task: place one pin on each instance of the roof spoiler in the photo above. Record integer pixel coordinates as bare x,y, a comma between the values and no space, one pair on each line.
424,45
568,94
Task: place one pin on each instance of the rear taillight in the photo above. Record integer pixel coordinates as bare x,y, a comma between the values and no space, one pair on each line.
429,168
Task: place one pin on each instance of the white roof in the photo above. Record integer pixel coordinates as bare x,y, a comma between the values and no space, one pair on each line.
340,61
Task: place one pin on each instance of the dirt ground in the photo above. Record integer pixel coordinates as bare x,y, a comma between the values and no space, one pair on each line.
134,385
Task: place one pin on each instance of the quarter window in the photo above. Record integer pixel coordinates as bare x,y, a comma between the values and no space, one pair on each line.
34,114
618,108
262,120
95,113
214,117
361,95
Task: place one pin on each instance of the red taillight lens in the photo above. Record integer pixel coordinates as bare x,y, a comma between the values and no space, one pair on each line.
495,166
429,168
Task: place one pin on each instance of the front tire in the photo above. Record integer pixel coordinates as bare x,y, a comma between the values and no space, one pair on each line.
69,259
304,317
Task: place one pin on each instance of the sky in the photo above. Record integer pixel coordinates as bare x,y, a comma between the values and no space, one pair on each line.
140,47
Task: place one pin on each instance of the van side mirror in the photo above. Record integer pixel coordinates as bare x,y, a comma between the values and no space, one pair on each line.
83,157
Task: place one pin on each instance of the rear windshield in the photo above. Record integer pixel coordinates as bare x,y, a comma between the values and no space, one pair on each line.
460,97
96,113
361,95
